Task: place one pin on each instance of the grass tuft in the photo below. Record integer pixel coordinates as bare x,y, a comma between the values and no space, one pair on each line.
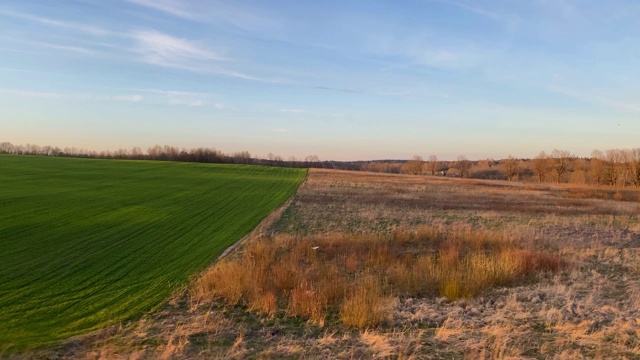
365,305
357,275
307,301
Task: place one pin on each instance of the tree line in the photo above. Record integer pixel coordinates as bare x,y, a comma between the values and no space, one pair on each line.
172,153
614,167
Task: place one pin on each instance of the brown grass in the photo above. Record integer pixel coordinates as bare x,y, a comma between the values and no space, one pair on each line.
308,301
360,274
365,304
632,195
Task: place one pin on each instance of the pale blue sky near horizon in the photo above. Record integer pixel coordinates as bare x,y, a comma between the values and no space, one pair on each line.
344,80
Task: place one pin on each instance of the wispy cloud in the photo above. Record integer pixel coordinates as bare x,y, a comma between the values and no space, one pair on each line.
32,94
474,9
84,28
24,45
66,48
184,98
187,102
224,13
292,111
176,92
596,98
17,70
172,7
164,50
327,88
442,58
129,98
135,98
404,49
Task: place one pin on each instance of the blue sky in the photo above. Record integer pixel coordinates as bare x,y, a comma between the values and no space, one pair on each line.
344,80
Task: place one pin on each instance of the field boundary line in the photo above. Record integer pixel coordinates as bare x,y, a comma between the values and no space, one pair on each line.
264,225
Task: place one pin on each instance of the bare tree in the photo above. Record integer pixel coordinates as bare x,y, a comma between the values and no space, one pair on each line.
613,166
561,161
154,152
413,166
312,159
433,165
121,153
6,148
633,165
463,165
241,157
511,167
541,166
597,167
136,152
274,158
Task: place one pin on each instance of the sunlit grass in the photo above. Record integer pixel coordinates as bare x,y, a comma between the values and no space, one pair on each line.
359,275
89,243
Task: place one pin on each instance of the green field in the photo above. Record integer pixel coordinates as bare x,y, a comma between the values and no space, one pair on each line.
87,243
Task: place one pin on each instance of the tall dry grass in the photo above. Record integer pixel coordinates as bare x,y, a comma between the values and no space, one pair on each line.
359,275
366,303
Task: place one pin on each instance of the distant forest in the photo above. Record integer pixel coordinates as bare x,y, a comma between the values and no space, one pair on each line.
617,168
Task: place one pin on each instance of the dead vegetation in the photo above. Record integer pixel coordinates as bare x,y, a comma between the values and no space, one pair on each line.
448,268
360,275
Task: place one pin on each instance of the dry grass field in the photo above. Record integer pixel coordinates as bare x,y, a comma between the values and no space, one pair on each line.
363,265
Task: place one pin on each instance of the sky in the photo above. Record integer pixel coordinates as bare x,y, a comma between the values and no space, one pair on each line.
343,80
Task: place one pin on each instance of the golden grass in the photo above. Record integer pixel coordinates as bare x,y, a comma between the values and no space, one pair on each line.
308,301
359,275
365,304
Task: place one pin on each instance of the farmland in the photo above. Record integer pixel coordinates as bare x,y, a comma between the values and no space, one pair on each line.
89,243
349,234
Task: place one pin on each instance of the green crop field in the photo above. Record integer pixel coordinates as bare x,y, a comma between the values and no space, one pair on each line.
88,243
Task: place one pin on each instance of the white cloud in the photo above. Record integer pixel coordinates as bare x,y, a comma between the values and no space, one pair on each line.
66,48
492,15
292,111
130,98
187,102
223,13
173,7
70,96
162,49
178,97
32,94
87,29
176,92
